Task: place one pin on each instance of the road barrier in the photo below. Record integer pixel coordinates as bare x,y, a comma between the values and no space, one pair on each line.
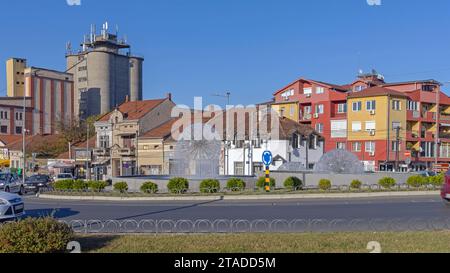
165,226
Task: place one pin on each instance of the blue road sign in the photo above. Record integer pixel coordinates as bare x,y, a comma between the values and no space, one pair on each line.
267,158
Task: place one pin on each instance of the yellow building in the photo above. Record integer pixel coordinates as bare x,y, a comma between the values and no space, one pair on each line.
373,118
15,77
289,109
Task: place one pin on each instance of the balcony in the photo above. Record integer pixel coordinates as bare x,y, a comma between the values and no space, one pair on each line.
413,115
412,135
127,152
102,152
444,118
306,117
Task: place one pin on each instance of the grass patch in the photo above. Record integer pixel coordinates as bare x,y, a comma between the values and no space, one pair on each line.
391,242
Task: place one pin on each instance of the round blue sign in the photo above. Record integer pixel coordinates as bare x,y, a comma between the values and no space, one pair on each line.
267,158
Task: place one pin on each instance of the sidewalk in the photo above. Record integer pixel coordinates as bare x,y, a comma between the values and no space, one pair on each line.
247,197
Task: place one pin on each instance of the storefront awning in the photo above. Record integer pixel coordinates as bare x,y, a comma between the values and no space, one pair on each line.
61,165
5,162
445,124
100,162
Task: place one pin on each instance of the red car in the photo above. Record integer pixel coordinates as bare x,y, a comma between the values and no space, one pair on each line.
445,192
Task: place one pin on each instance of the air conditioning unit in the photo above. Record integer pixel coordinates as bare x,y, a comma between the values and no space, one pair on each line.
372,132
316,116
372,154
372,112
308,95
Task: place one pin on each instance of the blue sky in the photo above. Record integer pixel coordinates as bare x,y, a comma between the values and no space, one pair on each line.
248,47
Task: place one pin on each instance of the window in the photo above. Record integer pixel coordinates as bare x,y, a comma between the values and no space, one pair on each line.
341,146
285,95
396,146
370,147
342,108
371,105
82,68
356,146
239,168
256,143
319,128
18,130
292,111
371,125
396,125
427,88
339,128
104,142
307,90
307,109
356,126
428,149
357,106
313,142
320,90
319,109
239,144
4,129
82,79
413,105
359,88
295,141
396,105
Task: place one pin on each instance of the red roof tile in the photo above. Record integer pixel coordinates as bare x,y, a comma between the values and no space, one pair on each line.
135,109
376,91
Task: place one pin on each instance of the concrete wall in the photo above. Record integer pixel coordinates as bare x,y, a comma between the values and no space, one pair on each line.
312,179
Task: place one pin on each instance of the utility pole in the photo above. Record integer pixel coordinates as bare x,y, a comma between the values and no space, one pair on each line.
397,149
436,137
227,96
87,152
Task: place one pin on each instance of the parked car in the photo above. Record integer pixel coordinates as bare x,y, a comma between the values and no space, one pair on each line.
445,191
427,173
64,176
11,207
36,182
10,182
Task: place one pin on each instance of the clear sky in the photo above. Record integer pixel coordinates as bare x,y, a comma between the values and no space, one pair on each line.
248,47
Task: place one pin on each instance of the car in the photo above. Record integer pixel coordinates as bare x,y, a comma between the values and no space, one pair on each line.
11,207
10,182
37,182
64,176
427,173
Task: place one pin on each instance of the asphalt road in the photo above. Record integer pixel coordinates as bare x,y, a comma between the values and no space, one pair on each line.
376,214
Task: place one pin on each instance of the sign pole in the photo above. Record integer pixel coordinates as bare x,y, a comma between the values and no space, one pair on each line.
267,160
267,184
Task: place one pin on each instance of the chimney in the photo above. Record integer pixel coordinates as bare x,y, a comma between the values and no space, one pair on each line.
169,96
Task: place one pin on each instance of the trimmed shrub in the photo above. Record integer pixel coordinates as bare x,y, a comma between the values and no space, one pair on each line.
436,180
149,187
42,235
80,185
325,184
417,181
356,185
236,184
209,186
178,185
63,185
293,183
387,182
97,186
261,183
121,187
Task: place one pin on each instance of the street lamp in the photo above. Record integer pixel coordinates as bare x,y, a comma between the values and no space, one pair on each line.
227,96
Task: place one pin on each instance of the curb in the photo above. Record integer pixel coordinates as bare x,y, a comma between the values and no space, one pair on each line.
245,197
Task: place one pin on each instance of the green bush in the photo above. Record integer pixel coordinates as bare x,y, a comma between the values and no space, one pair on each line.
236,184
261,183
80,185
387,182
325,184
149,187
63,185
293,183
209,186
42,235
121,187
356,185
417,181
436,180
97,186
178,185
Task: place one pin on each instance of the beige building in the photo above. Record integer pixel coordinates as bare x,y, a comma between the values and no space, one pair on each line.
15,77
118,134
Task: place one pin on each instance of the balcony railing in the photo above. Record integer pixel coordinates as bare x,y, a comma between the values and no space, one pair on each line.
102,152
306,117
127,152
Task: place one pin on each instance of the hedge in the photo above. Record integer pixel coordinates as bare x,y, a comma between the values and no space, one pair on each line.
387,182
149,187
121,187
80,185
97,186
356,184
293,182
417,181
35,235
210,186
178,185
63,185
325,184
236,184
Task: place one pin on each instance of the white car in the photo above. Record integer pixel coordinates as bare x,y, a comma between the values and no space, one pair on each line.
64,176
11,183
11,207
